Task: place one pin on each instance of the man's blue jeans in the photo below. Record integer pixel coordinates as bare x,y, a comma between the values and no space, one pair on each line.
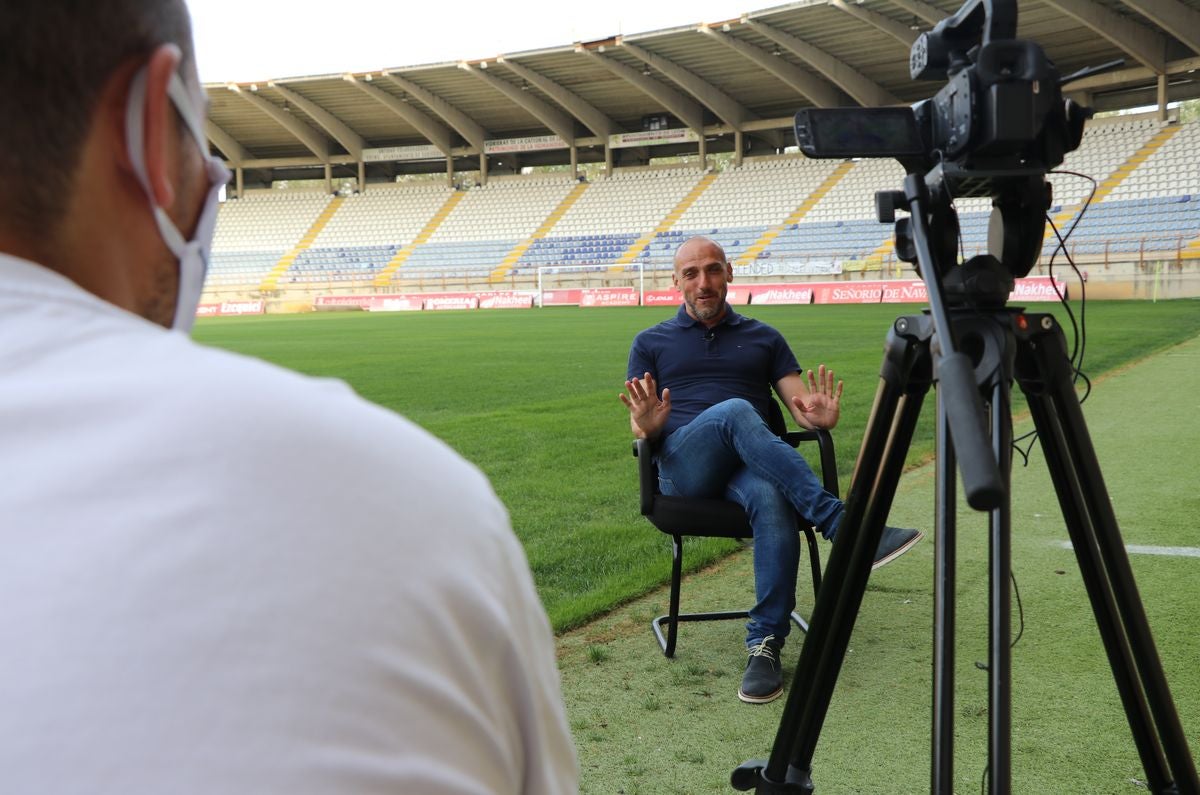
728,451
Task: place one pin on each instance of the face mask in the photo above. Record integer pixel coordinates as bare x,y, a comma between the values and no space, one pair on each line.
193,255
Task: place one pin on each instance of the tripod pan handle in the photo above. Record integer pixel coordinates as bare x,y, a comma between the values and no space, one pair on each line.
964,409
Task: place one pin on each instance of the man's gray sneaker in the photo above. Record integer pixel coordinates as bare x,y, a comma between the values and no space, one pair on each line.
894,543
763,680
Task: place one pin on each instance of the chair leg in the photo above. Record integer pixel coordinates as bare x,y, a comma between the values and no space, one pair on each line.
672,617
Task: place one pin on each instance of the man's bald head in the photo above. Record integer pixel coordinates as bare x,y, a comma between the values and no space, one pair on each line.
702,274
698,246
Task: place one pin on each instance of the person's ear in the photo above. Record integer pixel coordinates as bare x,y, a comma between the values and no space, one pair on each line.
728,272
161,128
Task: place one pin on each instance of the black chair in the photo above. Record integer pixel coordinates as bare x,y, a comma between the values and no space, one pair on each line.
687,516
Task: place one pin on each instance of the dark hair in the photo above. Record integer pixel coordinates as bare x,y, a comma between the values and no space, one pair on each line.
55,57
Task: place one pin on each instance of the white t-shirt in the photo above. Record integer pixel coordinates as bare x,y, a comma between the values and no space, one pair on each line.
219,576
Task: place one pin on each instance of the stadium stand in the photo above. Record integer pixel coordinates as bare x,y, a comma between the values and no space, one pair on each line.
367,232
743,203
604,225
843,225
255,232
770,210
487,224
1145,204
1129,159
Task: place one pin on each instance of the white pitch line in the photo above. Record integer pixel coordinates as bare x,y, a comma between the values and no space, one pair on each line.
1142,549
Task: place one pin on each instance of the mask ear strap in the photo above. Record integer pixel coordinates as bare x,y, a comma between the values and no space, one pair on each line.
135,128
135,138
187,111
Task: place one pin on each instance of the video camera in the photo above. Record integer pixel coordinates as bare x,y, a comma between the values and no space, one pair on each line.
995,129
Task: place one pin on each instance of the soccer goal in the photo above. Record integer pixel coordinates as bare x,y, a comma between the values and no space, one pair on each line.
558,284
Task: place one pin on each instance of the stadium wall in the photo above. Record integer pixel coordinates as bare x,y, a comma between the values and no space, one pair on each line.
1151,279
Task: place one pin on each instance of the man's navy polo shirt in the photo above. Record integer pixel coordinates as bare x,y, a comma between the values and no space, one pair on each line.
740,357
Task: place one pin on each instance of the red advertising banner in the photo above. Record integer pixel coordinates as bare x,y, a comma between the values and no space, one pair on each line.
1033,288
505,300
672,297
463,301
561,297
1039,288
231,308
737,295
360,301
875,292
394,303
780,294
662,298
608,296
911,291
908,292
243,307
412,302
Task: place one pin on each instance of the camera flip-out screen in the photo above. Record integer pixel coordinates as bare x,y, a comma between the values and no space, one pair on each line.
858,132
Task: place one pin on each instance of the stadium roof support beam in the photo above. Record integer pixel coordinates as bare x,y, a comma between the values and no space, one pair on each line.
724,106
554,119
1143,44
434,131
471,131
592,118
234,152
900,33
683,108
862,89
312,140
1172,16
925,11
1130,76
818,92
351,141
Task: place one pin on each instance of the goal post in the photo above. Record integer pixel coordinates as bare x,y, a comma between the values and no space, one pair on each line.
647,275
576,277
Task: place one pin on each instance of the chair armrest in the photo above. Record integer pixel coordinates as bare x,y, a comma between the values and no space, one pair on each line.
647,474
824,440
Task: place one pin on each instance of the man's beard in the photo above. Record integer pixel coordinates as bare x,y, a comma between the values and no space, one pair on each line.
708,312
159,305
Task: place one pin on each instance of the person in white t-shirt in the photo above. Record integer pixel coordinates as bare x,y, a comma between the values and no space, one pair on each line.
218,576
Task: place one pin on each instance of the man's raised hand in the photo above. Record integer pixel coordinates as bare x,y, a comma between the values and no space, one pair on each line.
647,412
822,405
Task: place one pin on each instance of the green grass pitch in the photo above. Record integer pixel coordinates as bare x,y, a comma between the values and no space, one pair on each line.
530,397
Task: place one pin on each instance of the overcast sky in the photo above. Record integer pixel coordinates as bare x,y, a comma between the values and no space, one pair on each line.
247,40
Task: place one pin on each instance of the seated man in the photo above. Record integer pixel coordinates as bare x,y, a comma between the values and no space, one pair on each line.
716,369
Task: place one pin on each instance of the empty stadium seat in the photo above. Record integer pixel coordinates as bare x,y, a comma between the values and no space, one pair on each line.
1152,209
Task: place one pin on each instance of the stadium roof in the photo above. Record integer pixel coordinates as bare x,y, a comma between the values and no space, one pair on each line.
739,79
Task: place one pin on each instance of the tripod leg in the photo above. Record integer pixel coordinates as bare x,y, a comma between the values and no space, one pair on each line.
944,554
1000,602
877,473
1045,376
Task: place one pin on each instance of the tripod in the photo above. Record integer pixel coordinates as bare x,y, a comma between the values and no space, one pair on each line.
999,344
